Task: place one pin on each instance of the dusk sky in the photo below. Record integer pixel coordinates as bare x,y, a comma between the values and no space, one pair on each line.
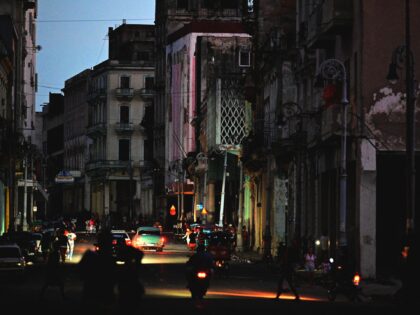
73,36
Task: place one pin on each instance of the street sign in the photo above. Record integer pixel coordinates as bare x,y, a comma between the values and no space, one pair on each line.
64,177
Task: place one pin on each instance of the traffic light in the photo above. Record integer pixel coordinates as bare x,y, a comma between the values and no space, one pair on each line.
172,210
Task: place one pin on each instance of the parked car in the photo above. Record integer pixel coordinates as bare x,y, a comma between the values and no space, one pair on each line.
28,242
148,237
12,259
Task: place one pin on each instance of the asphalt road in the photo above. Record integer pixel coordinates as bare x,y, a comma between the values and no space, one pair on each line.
249,287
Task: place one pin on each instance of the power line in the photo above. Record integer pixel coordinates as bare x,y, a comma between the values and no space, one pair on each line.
91,20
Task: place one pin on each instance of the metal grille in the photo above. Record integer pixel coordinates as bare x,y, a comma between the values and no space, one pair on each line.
232,113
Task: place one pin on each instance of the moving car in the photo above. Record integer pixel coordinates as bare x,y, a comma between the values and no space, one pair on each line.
120,240
11,259
148,237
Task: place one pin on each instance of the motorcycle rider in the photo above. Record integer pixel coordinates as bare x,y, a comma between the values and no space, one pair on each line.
200,261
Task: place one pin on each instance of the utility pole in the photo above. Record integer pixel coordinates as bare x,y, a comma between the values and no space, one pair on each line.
222,198
25,194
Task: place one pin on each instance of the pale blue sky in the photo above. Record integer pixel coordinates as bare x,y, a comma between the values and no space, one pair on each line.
72,34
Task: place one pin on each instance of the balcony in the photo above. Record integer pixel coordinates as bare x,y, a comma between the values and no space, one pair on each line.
124,128
144,165
147,94
96,130
328,19
125,94
97,94
107,165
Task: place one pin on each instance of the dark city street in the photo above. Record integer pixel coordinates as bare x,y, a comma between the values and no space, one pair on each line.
209,157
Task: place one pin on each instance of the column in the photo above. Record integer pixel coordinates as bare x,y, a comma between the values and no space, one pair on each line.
87,194
367,219
106,198
211,201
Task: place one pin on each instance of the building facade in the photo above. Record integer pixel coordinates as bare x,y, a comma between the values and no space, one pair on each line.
18,86
120,99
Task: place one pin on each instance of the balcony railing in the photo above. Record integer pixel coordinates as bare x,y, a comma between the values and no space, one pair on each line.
147,94
124,93
96,130
107,164
124,127
118,164
97,94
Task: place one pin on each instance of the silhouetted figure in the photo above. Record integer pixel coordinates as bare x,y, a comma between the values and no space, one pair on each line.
63,244
98,273
287,271
46,244
53,272
130,289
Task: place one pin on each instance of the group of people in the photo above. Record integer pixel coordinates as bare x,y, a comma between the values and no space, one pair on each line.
100,275
60,240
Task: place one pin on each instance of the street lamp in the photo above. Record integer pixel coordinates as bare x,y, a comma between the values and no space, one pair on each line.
334,70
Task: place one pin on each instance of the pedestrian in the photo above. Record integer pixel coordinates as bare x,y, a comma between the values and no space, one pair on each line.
287,270
267,244
46,244
98,273
53,272
130,289
70,245
245,238
310,259
62,242
187,236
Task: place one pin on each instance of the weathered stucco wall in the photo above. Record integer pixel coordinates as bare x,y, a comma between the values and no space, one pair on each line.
385,103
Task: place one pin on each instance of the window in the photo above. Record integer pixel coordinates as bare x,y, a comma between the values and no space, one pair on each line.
229,4
182,4
149,83
209,4
244,58
124,150
124,114
125,82
143,55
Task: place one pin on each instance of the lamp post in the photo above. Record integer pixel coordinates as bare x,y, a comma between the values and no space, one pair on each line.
332,70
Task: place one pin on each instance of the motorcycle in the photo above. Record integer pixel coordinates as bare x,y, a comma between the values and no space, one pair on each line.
341,282
199,283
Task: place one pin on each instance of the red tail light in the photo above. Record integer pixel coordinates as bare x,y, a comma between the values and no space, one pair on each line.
114,242
128,242
356,279
162,240
201,275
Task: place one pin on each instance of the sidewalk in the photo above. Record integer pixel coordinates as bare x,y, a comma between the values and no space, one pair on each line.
373,289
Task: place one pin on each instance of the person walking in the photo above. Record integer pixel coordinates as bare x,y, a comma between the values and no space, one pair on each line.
53,272
310,259
187,237
70,245
63,243
130,289
287,271
98,271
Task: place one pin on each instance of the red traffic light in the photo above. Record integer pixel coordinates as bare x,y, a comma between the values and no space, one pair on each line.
172,210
